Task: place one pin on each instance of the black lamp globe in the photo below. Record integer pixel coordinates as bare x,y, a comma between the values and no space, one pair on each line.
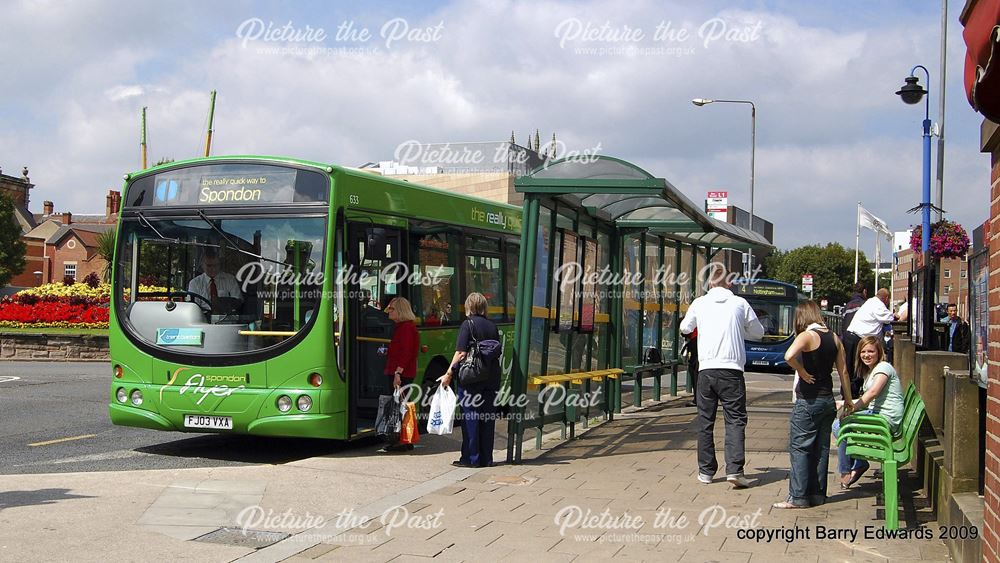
911,92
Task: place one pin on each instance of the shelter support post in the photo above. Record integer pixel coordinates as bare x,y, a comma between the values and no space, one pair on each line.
522,344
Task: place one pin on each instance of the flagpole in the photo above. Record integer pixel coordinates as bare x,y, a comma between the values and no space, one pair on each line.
857,240
877,245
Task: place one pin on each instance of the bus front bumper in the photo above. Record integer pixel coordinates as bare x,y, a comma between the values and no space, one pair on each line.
123,415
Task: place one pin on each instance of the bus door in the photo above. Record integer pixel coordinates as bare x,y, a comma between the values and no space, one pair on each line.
372,249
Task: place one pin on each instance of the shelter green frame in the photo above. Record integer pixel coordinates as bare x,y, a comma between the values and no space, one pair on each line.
615,197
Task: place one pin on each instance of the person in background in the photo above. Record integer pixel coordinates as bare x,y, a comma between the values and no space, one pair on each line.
868,320
959,334
401,358
690,350
903,313
850,309
813,354
723,321
478,403
882,394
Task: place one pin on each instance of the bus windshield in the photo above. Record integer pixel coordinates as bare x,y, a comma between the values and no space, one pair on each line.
774,303
219,285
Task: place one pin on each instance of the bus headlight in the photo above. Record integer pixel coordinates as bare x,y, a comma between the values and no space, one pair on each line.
121,395
136,397
315,380
284,403
304,403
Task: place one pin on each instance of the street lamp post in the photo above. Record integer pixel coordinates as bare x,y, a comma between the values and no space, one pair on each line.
753,148
911,93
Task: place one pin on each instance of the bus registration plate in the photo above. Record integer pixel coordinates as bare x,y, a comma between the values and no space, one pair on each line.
204,421
761,363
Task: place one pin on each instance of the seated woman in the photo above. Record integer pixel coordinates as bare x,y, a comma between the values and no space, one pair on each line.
882,394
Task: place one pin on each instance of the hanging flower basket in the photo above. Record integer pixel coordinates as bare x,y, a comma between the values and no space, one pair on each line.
948,240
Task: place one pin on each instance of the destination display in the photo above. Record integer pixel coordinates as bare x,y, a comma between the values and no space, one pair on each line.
228,185
763,289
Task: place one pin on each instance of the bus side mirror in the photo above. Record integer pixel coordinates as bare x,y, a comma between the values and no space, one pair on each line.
375,244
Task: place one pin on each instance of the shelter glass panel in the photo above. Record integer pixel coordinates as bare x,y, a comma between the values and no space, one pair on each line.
632,289
539,316
667,344
651,306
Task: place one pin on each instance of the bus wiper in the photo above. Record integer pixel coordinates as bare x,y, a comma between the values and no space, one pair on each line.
145,222
232,244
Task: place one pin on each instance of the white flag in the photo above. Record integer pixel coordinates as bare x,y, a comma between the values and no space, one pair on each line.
872,222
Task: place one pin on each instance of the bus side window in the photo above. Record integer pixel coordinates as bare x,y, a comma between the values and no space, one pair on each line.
434,266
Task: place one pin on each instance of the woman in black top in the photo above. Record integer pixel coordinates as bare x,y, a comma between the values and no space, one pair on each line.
477,403
814,410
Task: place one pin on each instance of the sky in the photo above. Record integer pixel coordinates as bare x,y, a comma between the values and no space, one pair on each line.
349,82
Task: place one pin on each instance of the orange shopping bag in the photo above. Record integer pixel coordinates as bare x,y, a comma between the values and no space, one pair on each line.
408,433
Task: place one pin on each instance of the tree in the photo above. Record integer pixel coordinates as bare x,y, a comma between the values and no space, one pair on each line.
885,280
12,247
832,268
106,250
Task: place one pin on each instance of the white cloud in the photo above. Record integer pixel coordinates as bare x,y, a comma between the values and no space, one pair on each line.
830,131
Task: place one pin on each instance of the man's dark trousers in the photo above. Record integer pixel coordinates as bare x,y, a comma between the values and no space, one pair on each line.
851,342
726,386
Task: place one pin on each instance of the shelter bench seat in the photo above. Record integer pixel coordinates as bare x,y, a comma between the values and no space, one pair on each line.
570,398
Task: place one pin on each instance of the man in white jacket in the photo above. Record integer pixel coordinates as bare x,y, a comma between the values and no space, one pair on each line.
724,321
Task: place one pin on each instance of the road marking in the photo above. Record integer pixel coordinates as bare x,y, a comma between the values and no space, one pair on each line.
8,378
59,440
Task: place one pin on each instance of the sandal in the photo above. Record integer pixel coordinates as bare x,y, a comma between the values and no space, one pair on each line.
786,504
851,478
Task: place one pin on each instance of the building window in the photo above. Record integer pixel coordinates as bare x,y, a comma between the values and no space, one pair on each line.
69,270
947,288
947,274
964,274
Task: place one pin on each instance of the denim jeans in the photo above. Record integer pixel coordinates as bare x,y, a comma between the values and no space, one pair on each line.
809,448
726,386
847,464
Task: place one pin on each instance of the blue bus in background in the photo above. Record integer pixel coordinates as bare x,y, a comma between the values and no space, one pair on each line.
774,302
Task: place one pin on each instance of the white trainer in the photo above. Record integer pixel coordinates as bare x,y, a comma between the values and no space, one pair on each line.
704,478
738,481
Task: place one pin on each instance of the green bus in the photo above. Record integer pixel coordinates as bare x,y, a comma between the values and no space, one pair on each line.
248,292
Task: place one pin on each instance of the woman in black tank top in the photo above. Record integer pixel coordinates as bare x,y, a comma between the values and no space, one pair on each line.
813,354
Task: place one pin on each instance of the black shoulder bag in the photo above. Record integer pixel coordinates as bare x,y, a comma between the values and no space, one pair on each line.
481,363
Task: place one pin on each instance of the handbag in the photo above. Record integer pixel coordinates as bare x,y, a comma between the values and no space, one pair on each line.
388,421
482,363
408,433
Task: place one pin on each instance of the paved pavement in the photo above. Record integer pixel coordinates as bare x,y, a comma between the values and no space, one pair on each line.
318,502
627,490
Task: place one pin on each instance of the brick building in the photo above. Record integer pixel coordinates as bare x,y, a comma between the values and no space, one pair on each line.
64,244
485,170
953,286
980,18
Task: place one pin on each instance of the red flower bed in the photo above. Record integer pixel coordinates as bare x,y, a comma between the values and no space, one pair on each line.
31,310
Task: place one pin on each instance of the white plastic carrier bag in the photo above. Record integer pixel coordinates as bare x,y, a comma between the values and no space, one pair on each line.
442,415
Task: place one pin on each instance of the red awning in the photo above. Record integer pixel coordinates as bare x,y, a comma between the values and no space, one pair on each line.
982,58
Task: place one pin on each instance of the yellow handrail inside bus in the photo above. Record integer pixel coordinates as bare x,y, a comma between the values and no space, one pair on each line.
371,339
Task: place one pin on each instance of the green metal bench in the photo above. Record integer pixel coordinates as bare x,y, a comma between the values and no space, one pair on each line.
872,440
857,420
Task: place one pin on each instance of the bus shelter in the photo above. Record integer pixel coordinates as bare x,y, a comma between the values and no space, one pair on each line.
608,265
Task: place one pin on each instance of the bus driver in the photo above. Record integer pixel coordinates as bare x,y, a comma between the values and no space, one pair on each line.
213,283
